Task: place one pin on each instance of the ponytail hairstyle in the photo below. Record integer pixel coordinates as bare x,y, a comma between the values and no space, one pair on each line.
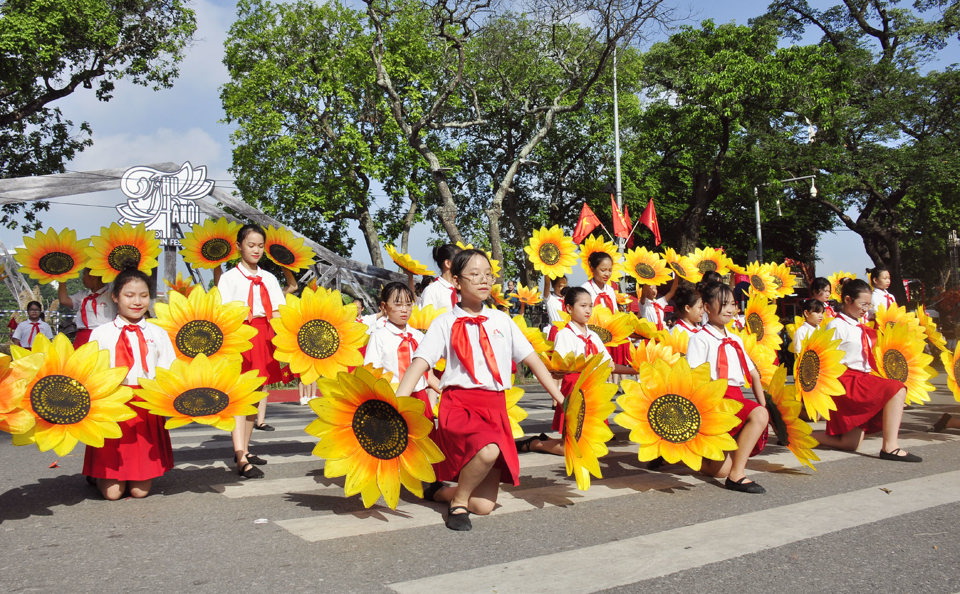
715,293
813,305
445,252
853,288
248,229
597,258
685,297
709,277
819,284
572,294
875,274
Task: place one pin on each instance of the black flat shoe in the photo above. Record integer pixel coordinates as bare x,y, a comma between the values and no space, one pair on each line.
459,522
751,487
906,457
263,427
249,471
430,490
941,423
255,459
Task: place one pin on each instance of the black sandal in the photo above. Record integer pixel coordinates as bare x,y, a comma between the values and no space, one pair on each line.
906,457
941,423
249,471
431,490
523,445
255,460
741,486
459,522
264,427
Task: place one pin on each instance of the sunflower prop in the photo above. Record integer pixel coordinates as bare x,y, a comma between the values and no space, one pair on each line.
644,327
201,325
210,244
494,264
286,249
378,441
551,252
613,328
14,376
623,299
783,278
205,391
181,285
646,266
496,293
895,315
791,431
676,340
75,396
599,244
683,266
527,296
709,259
951,362
816,372
318,336
761,320
422,317
584,431
763,358
514,412
900,356
651,351
569,363
678,413
835,287
408,262
118,247
930,330
534,335
761,281
52,256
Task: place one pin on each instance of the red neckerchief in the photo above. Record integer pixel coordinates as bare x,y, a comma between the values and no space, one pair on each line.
257,281
689,329
464,350
722,365
603,297
827,308
124,354
453,294
868,338
659,311
33,332
408,344
91,298
588,347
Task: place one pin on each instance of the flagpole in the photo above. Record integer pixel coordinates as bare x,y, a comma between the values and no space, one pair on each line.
621,241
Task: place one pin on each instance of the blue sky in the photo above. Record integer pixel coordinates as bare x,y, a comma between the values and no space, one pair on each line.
140,126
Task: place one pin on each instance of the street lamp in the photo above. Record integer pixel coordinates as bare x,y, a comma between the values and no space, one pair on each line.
756,205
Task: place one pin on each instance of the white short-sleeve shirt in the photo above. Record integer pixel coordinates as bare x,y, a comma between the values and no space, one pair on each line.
160,352
506,339
26,332
704,347
439,294
373,322
596,291
554,307
848,331
99,310
648,310
234,286
383,350
568,341
801,334
881,297
686,327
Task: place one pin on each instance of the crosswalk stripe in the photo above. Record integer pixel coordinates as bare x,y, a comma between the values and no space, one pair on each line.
693,546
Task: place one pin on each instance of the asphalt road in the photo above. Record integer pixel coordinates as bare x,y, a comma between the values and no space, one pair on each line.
857,524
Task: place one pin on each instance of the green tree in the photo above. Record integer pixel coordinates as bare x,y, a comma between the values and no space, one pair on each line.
51,48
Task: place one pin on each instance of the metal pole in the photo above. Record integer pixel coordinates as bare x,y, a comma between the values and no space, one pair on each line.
621,242
756,210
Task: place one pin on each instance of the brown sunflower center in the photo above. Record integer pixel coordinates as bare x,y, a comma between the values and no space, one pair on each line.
706,266
576,411
282,254
778,282
549,254
60,399
318,339
755,325
55,263
215,249
757,283
604,334
122,256
644,270
199,402
380,429
895,365
674,418
956,369
808,372
199,336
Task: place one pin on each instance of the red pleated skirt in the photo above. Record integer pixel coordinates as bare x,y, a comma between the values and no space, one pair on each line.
469,420
862,405
566,386
620,353
143,452
421,395
82,338
260,357
735,393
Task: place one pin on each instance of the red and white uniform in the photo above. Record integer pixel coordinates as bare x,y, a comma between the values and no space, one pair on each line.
554,307
605,295
26,332
801,334
387,346
373,322
260,291
685,326
880,298
441,294
579,341
93,308
653,310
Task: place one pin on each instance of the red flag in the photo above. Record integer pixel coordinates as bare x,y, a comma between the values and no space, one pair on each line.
588,222
12,324
621,228
626,217
649,218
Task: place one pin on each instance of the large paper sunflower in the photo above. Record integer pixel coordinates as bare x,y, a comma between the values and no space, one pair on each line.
900,356
210,244
514,412
14,376
117,247
422,317
534,335
496,293
377,440
761,320
763,358
599,244
644,327
930,329
75,396
651,351
52,256
181,285
202,391
761,281
709,259
202,325
683,266
678,413
835,287
951,362
816,372
569,363
318,335
585,411
613,328
551,252
646,266
783,278
494,264
530,296
408,262
286,249
896,315
794,434
676,340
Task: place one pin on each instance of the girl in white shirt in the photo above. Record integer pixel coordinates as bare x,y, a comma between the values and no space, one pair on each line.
688,307
27,330
474,430
554,305
653,308
813,311
441,293
93,306
391,346
871,403
143,452
725,355
603,293
880,279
